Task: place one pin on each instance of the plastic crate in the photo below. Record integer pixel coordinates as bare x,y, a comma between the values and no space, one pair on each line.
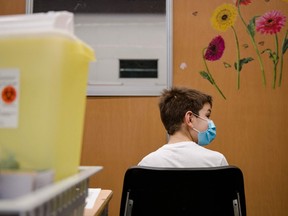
65,198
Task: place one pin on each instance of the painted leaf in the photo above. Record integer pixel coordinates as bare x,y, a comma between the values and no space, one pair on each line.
226,65
242,62
251,26
205,75
267,51
272,55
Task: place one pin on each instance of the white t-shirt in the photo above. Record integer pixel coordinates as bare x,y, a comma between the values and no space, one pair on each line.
183,154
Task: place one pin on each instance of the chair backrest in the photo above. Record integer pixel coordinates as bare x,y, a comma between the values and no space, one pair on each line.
149,191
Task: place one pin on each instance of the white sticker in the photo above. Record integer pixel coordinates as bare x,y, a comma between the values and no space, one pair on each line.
9,97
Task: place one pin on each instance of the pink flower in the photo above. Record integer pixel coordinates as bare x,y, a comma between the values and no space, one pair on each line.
242,2
215,49
271,22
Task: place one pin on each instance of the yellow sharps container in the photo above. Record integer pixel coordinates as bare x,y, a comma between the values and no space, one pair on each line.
43,78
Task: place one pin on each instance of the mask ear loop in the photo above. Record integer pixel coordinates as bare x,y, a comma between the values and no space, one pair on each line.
191,121
201,119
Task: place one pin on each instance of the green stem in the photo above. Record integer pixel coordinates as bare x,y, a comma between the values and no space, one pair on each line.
281,60
219,90
240,15
275,60
238,58
254,45
210,75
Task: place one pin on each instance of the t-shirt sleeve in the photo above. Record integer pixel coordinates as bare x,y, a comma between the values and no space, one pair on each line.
224,162
144,161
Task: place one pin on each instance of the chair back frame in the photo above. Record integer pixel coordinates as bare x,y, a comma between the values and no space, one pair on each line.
183,191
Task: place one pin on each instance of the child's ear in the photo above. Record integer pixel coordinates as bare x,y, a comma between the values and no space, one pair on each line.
189,117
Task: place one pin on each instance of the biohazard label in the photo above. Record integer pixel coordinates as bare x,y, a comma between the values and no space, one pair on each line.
9,98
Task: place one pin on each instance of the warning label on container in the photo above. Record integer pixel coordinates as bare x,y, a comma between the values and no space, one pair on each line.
9,98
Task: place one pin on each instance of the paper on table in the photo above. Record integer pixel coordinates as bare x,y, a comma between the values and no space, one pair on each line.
92,196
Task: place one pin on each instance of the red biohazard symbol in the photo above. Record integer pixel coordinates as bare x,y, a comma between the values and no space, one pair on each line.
8,94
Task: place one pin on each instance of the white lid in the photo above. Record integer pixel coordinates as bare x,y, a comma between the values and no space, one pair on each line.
61,21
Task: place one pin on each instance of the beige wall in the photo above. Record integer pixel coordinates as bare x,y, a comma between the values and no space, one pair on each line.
119,131
252,123
12,7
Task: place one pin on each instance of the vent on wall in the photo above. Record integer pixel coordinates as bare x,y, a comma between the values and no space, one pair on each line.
137,68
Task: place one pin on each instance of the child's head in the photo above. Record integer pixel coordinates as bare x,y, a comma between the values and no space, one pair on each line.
175,102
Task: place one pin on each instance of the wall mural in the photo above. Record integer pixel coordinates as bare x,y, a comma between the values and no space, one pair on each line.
270,24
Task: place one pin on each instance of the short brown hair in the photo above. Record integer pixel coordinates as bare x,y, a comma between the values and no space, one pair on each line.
175,102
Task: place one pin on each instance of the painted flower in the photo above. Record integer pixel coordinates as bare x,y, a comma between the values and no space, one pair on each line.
224,17
250,27
213,52
242,2
271,22
215,49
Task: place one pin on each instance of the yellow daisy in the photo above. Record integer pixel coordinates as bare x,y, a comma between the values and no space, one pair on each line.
224,17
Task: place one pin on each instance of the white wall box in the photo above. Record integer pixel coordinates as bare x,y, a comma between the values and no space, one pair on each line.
131,40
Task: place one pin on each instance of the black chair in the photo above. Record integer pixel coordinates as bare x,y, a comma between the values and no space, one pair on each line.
149,191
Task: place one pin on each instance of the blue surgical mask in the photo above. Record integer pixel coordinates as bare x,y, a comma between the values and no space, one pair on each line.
207,136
